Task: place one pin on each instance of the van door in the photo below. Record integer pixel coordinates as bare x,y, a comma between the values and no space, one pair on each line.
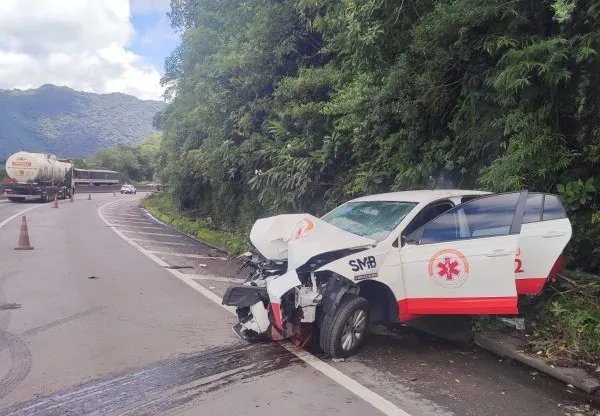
462,262
545,233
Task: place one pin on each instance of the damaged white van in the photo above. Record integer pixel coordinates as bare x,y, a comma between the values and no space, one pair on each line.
393,257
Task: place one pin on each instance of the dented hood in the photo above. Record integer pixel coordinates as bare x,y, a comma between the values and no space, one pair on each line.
298,237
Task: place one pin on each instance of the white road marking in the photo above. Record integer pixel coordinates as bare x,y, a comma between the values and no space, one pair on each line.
214,278
192,256
126,219
121,214
23,211
146,233
130,220
382,404
113,224
169,243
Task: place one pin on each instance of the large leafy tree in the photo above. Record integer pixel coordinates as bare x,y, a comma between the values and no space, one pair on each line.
297,105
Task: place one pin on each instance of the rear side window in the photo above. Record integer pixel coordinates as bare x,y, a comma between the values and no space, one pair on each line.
533,208
484,217
491,216
543,207
553,209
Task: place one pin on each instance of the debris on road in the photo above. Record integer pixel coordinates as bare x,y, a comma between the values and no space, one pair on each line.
508,346
5,306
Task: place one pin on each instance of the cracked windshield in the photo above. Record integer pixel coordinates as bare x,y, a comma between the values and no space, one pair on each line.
375,219
357,207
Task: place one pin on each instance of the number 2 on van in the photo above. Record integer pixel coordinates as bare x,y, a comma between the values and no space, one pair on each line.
518,263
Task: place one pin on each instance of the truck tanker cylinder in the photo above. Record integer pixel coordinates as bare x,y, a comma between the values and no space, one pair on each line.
25,167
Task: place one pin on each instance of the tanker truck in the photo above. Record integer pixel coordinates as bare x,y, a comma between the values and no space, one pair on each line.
38,177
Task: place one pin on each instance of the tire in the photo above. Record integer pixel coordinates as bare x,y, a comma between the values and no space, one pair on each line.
334,330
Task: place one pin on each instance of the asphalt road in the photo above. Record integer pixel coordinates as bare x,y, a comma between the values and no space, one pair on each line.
114,313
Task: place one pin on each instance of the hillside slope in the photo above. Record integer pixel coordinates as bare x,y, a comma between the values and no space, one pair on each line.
70,123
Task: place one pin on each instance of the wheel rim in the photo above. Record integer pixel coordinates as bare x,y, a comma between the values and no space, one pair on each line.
354,329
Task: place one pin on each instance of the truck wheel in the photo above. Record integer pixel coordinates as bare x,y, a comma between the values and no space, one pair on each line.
343,332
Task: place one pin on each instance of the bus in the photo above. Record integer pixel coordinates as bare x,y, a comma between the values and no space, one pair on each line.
96,177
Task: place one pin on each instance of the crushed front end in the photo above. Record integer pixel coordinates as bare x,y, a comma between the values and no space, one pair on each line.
276,306
284,293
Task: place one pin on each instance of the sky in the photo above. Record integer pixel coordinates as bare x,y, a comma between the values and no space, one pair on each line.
99,46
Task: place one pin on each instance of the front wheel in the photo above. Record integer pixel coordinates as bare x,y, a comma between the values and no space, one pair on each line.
343,332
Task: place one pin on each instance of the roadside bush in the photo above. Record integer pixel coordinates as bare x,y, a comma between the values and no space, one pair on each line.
566,325
162,206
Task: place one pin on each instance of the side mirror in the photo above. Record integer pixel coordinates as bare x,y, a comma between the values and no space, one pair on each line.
402,240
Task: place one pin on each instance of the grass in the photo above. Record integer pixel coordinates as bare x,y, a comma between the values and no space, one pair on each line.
565,321
562,323
162,207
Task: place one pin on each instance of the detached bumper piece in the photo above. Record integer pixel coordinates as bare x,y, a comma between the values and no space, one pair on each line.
250,302
241,296
246,330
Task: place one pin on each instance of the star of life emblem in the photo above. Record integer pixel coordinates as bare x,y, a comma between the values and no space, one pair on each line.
449,268
302,228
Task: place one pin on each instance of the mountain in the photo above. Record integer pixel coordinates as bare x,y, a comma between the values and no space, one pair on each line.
70,123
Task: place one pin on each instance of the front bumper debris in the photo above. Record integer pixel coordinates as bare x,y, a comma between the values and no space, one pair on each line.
244,296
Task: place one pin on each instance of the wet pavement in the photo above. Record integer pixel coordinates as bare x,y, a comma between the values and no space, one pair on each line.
162,386
88,325
136,340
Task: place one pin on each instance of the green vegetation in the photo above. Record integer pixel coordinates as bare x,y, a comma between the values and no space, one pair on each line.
135,163
69,123
567,321
299,105
163,208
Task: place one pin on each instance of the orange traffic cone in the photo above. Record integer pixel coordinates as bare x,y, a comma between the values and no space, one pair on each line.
24,236
55,201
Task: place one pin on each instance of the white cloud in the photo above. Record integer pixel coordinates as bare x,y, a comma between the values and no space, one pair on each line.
149,6
78,43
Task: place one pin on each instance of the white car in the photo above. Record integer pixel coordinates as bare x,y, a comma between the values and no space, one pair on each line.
128,189
393,257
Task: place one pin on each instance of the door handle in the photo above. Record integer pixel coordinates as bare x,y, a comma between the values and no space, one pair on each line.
553,234
499,253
